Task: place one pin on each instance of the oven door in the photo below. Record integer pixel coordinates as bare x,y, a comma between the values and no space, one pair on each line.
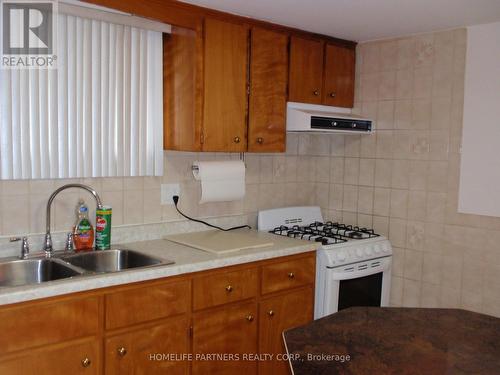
359,284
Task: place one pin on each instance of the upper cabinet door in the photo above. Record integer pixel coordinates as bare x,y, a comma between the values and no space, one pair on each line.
225,89
339,76
182,87
306,71
268,84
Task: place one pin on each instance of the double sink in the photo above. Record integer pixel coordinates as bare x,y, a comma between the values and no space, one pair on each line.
34,271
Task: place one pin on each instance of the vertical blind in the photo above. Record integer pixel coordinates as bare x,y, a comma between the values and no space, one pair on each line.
99,114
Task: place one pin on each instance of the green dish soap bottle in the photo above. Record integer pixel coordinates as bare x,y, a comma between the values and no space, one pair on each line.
83,232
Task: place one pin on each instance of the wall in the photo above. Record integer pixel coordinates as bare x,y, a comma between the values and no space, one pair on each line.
404,180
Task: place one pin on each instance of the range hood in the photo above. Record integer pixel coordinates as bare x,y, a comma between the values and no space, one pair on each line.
301,117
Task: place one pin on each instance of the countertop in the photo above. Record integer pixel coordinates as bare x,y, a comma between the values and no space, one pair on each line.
187,260
397,341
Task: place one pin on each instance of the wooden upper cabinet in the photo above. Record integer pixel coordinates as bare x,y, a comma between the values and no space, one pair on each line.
339,76
268,90
306,70
321,78
225,86
182,89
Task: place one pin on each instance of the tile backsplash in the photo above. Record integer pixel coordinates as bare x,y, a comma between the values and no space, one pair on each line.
402,180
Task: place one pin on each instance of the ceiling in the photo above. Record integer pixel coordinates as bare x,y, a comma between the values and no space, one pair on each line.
362,20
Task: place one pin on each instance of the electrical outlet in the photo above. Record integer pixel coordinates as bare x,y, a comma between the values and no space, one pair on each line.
168,191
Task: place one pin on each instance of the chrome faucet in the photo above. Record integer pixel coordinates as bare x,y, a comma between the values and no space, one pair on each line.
47,247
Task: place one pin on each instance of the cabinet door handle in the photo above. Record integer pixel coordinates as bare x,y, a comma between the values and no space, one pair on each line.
250,318
121,351
316,92
291,275
236,139
332,95
229,288
270,313
260,140
86,362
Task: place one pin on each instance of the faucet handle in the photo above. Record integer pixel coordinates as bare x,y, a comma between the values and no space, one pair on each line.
47,246
25,248
69,247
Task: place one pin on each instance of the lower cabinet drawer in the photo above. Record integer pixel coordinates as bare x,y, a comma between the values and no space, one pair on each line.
144,303
150,351
288,274
224,287
44,323
78,357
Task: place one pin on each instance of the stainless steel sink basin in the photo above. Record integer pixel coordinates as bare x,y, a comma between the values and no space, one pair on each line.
34,271
113,260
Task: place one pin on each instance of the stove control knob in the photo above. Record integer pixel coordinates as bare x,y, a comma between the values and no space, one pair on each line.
368,251
377,249
359,253
342,256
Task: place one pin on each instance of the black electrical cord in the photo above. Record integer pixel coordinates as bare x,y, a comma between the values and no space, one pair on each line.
176,200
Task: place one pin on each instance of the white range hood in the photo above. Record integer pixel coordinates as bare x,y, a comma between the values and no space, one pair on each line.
301,117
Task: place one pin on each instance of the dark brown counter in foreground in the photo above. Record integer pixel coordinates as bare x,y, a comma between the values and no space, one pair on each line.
399,341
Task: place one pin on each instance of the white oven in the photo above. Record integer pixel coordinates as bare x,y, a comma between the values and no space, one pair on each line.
365,283
353,264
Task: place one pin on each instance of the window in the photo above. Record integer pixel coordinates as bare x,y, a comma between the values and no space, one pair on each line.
479,189
98,114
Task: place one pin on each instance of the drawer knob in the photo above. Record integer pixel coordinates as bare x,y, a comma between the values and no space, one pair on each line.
229,288
86,362
236,139
291,275
260,140
332,95
250,318
122,351
270,313
316,92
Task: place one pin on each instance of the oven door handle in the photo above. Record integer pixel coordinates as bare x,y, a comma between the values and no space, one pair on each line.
384,266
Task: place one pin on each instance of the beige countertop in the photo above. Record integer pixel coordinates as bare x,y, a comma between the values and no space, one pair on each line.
187,260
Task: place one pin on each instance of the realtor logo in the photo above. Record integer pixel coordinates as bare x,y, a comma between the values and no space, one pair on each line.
28,34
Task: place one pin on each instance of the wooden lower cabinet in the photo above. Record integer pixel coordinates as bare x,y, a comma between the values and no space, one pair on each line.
277,314
145,328
145,351
79,357
229,331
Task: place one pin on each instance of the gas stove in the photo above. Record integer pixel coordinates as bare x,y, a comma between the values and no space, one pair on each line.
353,264
342,243
326,233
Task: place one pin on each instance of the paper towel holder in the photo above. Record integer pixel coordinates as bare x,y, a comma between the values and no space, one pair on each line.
195,168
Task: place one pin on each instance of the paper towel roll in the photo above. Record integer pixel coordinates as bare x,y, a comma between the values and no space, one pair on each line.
221,181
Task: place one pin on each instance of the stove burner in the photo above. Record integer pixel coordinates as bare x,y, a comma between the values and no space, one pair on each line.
355,235
327,233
